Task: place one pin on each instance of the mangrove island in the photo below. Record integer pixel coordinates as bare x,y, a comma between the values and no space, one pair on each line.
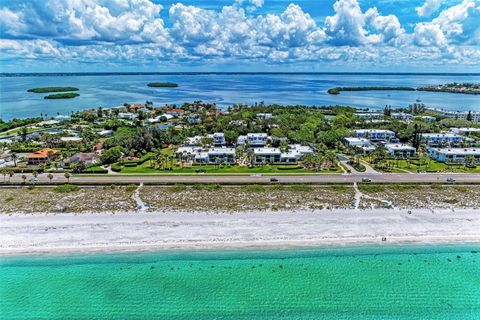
162,85
68,95
52,89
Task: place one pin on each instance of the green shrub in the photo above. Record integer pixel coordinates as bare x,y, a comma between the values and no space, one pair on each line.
131,187
66,188
116,167
254,188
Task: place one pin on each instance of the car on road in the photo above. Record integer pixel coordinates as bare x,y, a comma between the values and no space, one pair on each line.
273,180
200,171
256,175
450,179
366,180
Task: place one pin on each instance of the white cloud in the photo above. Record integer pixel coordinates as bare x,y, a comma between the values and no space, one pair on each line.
133,31
428,8
456,25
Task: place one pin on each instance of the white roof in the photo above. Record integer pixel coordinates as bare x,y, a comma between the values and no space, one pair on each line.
373,131
301,149
256,135
221,151
266,151
357,140
458,151
74,139
441,135
191,150
399,146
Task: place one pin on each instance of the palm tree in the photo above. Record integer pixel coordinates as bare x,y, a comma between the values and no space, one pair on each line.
10,174
24,178
67,176
4,173
35,175
50,177
14,158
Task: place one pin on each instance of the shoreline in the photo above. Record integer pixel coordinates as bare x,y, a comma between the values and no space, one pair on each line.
35,234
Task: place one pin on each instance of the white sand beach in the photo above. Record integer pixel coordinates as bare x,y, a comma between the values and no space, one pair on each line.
137,231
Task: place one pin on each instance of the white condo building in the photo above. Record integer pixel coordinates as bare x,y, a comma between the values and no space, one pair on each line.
435,139
400,150
375,135
454,155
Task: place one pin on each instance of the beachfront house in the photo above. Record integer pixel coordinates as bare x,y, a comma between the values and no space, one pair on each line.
42,156
257,139
361,143
87,158
294,153
460,115
266,155
454,155
400,150
437,139
375,135
221,155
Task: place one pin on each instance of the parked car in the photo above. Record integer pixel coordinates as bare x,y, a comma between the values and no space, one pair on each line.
273,180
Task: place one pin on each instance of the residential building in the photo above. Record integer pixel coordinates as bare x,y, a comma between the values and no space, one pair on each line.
402,116
193,141
257,139
361,143
368,115
266,155
87,158
126,115
295,153
265,116
466,131
105,133
400,150
175,112
221,155
454,155
436,139
375,135
218,138
428,119
42,156
71,139
462,115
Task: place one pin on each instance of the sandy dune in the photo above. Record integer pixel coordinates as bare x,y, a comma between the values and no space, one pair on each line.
40,233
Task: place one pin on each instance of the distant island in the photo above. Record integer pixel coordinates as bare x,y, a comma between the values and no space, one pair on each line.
162,85
68,95
466,88
52,89
337,90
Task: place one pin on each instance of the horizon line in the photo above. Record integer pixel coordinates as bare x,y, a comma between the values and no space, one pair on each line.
20,74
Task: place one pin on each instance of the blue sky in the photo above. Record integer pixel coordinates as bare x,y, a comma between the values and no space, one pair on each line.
240,35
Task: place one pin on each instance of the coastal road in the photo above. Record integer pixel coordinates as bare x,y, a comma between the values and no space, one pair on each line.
240,179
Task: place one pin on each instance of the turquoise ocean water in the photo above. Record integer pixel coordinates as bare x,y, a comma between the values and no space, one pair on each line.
349,283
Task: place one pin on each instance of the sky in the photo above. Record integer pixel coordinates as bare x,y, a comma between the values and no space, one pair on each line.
240,35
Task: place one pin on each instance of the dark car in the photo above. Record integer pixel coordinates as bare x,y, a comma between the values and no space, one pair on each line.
366,180
200,171
273,180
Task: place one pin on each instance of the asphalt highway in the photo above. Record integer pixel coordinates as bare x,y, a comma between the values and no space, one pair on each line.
241,179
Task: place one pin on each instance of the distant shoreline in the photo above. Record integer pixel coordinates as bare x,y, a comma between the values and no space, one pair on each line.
60,74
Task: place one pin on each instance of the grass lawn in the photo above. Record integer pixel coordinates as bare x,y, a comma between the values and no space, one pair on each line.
427,165
212,169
